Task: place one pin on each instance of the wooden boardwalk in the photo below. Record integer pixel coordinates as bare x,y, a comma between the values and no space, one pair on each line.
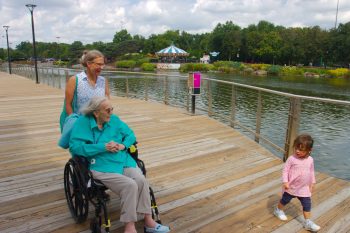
207,177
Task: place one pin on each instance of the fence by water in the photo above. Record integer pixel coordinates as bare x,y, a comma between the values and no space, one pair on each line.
270,117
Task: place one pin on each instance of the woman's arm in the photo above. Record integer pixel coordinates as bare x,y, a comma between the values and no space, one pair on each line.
81,140
107,93
69,94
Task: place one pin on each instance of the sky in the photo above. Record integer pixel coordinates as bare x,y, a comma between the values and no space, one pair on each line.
66,21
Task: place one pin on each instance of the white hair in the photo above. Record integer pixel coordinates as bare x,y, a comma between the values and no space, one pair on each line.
93,105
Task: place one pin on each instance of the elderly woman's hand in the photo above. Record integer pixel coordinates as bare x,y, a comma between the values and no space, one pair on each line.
112,146
121,147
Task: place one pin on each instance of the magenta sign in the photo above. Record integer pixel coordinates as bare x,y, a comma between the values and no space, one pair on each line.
197,80
196,83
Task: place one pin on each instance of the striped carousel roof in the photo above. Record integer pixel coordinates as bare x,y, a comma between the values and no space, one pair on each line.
172,51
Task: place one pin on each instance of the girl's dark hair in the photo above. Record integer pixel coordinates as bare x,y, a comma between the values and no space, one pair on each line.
303,142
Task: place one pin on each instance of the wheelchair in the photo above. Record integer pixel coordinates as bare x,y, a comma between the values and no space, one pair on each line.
81,189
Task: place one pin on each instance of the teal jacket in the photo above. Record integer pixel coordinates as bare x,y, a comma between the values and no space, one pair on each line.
89,141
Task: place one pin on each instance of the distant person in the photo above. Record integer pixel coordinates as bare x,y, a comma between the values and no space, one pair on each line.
298,180
80,89
103,139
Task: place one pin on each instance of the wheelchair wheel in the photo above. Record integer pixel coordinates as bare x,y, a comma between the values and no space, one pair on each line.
95,226
75,191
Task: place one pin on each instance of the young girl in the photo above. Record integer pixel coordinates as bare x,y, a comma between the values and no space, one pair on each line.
298,180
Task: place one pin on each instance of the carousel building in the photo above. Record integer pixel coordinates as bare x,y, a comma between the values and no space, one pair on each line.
171,57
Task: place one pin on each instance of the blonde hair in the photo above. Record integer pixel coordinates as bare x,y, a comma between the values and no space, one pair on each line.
89,56
93,105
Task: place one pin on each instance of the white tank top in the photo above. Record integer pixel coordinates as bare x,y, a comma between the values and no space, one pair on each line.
85,91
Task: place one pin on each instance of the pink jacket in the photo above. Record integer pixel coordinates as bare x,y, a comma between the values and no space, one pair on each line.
300,175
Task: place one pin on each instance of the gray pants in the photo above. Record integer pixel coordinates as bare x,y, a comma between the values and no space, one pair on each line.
133,189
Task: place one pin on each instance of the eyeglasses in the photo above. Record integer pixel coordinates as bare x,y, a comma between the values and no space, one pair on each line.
101,65
109,110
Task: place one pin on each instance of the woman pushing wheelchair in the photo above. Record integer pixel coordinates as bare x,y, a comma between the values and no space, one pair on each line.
103,139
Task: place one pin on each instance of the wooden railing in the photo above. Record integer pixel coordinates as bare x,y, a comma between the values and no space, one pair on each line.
172,89
294,112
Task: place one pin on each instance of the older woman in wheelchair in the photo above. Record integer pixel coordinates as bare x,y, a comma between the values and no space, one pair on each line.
100,143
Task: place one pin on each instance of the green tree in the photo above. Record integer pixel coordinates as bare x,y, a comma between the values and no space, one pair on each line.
2,54
121,36
226,39
339,45
129,46
292,50
76,51
26,48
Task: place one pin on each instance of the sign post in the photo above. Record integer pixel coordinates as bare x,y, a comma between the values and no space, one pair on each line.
194,86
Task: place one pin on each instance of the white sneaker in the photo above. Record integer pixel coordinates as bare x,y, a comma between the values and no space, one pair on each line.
311,226
280,214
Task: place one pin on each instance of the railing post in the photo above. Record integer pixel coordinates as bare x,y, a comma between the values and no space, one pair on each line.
40,75
66,75
146,90
59,79
127,87
293,126
233,106
47,77
258,118
53,77
166,92
210,100
188,99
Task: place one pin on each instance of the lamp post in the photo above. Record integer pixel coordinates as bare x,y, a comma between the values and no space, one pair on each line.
31,9
58,46
8,48
336,16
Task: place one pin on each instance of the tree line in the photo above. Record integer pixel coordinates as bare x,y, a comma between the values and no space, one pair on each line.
260,43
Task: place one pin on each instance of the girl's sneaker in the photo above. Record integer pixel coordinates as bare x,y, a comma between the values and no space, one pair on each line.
311,226
280,214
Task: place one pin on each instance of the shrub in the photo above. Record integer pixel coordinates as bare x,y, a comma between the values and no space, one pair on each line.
316,70
139,62
195,67
148,66
274,69
260,66
223,64
340,72
228,66
224,69
248,70
60,63
291,70
125,64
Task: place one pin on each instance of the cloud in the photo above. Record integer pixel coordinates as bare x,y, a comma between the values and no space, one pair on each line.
95,20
